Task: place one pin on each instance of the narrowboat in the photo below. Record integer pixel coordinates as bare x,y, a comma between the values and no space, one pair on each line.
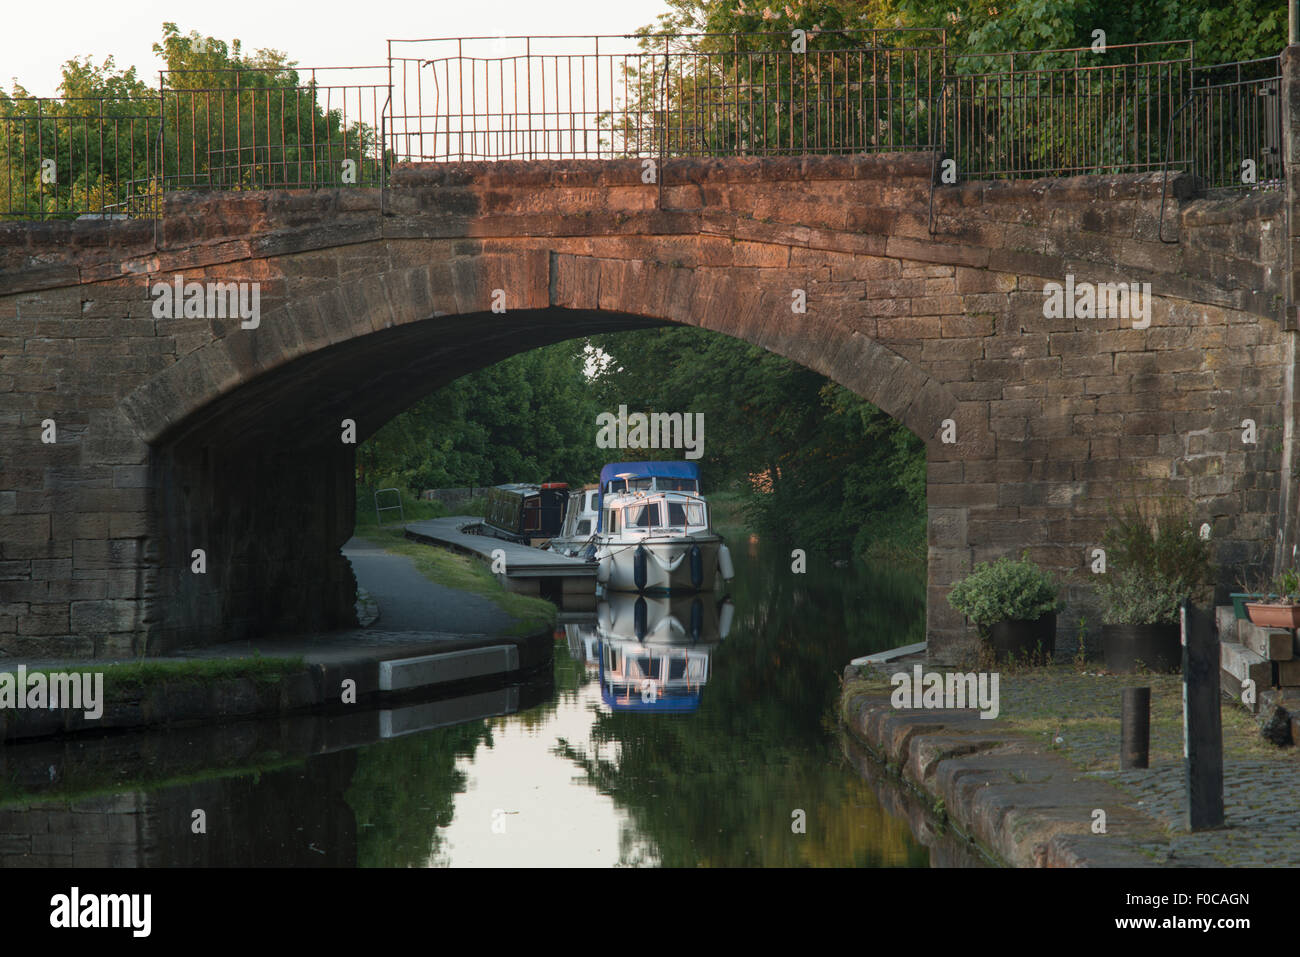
528,514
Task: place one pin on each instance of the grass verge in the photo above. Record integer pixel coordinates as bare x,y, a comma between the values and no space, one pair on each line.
464,573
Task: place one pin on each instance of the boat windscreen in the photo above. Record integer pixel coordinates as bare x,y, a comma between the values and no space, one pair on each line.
664,484
685,513
642,516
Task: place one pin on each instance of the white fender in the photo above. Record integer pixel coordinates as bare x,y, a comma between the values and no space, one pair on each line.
725,568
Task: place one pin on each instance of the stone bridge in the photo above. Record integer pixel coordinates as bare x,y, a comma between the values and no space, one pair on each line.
184,433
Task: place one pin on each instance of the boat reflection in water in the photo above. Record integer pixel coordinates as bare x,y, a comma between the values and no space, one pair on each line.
651,652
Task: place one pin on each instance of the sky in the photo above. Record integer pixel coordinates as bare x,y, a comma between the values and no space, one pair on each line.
37,38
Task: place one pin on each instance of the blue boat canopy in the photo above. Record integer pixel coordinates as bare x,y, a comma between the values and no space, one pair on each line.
669,469
666,469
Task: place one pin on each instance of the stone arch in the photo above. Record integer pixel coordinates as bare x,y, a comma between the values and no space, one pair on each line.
274,396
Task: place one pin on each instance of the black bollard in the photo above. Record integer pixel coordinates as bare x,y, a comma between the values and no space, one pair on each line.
1135,729
1202,723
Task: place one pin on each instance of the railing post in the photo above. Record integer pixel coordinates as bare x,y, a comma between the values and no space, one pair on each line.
663,137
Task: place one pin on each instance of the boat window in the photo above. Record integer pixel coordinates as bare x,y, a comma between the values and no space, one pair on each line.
678,485
695,514
584,527
643,516
630,485
676,513
611,520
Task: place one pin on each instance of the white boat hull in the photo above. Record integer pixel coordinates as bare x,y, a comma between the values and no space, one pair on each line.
665,567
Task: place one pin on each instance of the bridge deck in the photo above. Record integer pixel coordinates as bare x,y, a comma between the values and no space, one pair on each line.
522,561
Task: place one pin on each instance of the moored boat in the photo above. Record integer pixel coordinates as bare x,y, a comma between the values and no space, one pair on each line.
655,534
577,534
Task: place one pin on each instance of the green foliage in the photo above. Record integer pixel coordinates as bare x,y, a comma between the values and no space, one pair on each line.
1158,536
231,120
1007,590
1288,585
1155,559
1131,596
818,467
530,418
1113,116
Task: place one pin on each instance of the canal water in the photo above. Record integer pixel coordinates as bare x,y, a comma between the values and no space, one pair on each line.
729,756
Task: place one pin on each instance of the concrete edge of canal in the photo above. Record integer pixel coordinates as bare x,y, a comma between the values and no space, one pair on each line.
1022,806
382,672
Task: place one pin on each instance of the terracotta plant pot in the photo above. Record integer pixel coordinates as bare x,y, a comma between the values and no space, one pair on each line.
1158,647
1274,616
1023,639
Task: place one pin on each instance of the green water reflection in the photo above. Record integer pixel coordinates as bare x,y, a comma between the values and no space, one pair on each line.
720,786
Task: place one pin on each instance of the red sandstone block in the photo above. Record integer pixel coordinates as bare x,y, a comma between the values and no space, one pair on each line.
1013,345
956,327
941,350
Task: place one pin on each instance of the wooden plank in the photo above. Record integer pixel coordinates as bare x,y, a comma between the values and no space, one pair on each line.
1288,674
1242,663
1275,644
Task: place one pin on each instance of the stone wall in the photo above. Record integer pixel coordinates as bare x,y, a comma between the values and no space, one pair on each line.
927,300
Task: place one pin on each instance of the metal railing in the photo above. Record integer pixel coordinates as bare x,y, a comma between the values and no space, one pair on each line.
1131,108
663,95
60,157
272,128
1067,112
1236,123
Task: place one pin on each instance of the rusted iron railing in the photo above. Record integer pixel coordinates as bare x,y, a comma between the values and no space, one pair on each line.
603,97
1127,108
1067,112
1236,123
272,128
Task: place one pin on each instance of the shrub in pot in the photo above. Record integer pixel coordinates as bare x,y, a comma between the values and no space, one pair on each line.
1013,604
1140,621
1157,560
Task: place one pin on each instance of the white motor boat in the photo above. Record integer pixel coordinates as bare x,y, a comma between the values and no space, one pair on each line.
654,540
577,534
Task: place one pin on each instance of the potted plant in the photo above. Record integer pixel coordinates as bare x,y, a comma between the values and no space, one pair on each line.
1140,621
1013,604
1282,609
1254,587
1157,560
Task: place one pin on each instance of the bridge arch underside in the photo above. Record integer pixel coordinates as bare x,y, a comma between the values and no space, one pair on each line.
178,434
261,480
